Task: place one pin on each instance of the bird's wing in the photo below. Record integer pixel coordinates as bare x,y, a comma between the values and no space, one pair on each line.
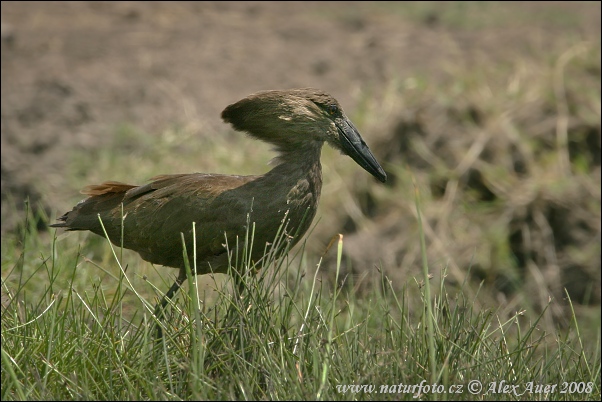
153,215
170,204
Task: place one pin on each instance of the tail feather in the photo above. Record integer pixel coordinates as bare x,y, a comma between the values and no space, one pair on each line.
63,223
106,188
102,199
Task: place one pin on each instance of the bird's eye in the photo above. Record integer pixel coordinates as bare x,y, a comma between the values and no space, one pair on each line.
332,109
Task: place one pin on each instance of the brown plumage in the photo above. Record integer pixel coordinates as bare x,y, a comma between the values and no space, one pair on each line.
296,121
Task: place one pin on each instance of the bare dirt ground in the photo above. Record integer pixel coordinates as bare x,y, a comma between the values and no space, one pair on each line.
73,71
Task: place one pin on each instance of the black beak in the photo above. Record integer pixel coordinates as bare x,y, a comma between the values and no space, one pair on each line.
353,145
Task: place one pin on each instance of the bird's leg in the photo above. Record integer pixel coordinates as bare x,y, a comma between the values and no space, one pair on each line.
160,308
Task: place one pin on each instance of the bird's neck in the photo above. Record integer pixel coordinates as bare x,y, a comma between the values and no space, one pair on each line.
294,186
299,163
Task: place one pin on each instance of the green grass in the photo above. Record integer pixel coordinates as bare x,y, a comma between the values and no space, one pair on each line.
504,141
77,314
291,334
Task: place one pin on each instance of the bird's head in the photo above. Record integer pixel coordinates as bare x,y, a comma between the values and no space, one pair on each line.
291,119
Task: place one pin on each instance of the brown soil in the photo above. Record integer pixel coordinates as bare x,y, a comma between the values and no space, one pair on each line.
72,72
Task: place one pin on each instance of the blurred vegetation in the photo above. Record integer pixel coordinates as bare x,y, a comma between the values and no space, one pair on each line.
505,147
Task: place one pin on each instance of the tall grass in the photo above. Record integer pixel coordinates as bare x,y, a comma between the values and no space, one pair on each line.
289,334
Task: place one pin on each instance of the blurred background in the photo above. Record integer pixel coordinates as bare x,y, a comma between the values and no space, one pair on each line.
492,107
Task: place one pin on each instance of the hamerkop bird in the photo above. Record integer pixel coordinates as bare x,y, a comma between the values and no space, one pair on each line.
154,215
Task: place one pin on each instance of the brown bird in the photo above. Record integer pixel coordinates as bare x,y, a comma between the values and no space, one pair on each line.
153,216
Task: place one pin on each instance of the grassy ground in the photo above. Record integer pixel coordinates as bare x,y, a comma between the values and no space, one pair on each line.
492,108
290,334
